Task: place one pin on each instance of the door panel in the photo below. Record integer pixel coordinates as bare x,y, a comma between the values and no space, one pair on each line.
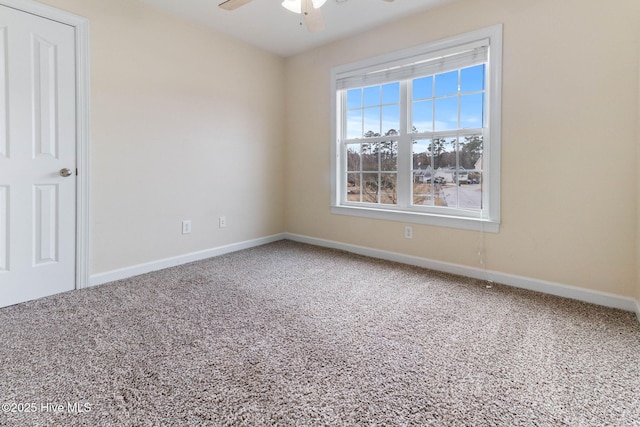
4,102
39,208
43,60
45,214
4,229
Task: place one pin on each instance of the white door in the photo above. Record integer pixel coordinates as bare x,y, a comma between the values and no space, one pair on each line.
37,157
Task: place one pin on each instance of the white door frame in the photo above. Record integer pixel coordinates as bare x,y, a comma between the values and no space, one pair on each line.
81,26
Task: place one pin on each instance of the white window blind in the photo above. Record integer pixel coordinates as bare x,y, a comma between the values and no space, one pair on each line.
423,65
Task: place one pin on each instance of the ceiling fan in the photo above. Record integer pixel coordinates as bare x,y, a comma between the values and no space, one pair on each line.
310,10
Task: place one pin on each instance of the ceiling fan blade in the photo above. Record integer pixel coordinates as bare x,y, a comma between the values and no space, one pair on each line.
312,17
233,4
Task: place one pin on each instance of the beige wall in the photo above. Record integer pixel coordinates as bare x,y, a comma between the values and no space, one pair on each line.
569,136
186,124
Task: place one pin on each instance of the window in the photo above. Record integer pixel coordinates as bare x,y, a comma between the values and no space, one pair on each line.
417,134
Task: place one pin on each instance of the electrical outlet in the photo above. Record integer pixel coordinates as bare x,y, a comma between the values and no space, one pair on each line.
222,222
186,226
408,232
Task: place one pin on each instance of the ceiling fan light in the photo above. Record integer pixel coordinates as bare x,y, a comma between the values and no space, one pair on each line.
294,6
318,3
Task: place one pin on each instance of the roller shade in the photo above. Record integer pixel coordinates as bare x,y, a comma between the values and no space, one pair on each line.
421,65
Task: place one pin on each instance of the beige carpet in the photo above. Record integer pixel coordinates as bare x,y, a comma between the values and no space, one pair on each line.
292,335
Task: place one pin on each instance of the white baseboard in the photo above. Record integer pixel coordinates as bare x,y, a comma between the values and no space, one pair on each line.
573,292
638,310
136,270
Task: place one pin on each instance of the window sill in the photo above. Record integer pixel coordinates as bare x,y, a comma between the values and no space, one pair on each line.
474,224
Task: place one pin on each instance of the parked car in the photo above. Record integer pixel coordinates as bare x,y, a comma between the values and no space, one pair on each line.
474,178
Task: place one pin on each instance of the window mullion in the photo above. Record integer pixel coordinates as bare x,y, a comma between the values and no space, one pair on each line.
404,181
342,149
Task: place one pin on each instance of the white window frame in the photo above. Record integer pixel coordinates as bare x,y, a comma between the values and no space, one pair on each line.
488,219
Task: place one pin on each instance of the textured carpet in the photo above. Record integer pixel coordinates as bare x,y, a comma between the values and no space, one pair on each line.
289,334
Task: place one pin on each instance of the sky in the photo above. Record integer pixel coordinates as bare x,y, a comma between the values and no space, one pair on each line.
440,102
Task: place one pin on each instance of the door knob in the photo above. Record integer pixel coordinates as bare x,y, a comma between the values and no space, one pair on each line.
65,172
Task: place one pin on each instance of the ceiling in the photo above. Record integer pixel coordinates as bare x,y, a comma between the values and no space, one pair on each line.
267,25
